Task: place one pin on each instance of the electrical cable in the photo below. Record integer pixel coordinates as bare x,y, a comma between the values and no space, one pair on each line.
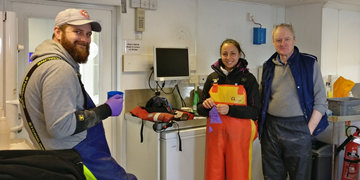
178,129
152,72
157,93
161,87
157,85
166,92
183,104
256,22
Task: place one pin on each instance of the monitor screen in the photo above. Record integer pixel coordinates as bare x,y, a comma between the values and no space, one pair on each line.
171,63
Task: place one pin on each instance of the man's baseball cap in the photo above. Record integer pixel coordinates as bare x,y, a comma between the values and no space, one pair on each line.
76,17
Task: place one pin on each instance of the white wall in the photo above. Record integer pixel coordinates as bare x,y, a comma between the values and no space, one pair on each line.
307,20
219,20
340,43
162,27
206,24
349,45
329,41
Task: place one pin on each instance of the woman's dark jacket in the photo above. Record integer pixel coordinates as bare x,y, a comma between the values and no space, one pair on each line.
240,75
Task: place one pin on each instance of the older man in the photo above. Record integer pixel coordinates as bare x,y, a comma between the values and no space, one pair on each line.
293,108
57,111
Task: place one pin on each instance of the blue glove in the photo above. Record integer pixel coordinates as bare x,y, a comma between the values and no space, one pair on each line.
116,104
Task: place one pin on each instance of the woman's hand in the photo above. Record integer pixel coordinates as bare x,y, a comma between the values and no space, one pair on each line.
208,103
222,108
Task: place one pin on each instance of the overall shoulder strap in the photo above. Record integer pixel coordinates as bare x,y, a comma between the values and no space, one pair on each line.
22,98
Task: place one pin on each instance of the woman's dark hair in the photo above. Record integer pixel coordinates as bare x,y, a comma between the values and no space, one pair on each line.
235,43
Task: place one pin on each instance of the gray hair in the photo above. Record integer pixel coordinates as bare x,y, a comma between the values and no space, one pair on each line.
289,26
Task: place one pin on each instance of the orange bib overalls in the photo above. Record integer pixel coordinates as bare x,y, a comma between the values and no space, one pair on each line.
229,140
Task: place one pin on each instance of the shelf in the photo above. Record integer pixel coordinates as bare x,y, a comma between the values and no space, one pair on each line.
343,118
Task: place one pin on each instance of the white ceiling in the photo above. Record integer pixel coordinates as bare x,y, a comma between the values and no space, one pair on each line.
299,2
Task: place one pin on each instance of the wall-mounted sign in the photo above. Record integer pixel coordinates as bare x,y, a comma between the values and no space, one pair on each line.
132,46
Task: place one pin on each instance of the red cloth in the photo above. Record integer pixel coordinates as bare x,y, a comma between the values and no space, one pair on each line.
143,114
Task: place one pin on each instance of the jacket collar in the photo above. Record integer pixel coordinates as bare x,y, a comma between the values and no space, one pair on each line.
241,66
292,59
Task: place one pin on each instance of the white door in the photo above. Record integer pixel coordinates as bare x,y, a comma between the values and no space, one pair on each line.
36,23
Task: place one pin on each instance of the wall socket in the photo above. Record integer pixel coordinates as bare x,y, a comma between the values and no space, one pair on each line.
183,82
251,17
202,79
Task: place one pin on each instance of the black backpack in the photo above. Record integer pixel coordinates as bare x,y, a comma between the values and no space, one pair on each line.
158,104
41,164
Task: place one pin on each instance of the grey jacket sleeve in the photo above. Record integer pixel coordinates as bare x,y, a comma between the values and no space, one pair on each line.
63,101
320,101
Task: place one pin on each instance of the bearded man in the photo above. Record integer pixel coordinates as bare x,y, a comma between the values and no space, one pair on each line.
57,111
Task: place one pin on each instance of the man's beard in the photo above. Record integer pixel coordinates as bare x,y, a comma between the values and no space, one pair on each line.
80,55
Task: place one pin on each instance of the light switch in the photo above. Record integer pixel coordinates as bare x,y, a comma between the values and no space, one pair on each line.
135,3
153,4
145,4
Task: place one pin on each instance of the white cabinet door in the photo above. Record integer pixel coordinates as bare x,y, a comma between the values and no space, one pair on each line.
142,158
187,164
158,156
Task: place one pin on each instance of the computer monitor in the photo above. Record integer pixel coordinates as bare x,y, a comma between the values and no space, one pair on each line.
171,63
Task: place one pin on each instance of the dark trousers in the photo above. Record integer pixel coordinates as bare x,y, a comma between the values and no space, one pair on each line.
286,148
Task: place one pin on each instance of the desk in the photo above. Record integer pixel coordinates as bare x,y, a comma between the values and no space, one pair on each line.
336,119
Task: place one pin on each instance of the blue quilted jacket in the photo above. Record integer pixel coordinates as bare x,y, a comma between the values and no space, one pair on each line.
302,69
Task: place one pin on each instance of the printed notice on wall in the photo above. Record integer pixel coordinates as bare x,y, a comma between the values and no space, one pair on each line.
132,46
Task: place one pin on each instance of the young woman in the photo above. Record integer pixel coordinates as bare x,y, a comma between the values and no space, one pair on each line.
230,100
